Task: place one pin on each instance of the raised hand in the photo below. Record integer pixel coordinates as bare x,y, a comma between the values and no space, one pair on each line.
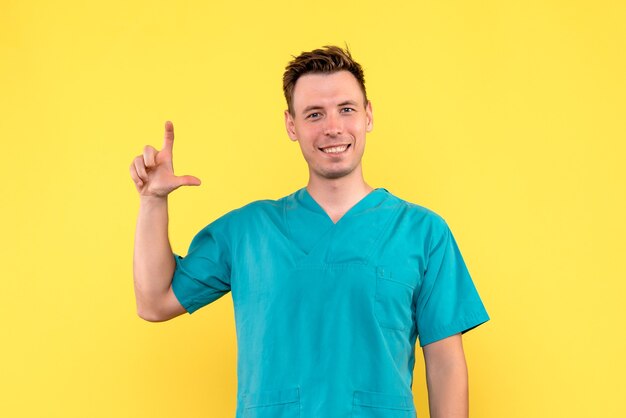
153,172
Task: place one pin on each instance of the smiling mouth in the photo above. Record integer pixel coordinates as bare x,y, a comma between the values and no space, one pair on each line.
337,149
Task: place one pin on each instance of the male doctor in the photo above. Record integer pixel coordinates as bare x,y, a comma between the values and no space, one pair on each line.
332,284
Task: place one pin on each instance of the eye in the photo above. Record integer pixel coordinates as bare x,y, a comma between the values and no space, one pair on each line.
347,109
313,115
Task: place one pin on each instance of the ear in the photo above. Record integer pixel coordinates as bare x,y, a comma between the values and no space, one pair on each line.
369,116
290,126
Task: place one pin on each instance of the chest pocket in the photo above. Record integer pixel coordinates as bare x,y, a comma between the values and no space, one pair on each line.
283,403
394,297
382,405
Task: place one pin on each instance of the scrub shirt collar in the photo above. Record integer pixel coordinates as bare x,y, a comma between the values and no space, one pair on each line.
370,200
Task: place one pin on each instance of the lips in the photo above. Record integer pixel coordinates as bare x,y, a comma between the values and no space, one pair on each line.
335,149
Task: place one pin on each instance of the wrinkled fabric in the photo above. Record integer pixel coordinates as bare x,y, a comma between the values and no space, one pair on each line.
328,314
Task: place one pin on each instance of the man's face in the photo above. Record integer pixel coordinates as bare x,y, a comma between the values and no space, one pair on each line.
330,122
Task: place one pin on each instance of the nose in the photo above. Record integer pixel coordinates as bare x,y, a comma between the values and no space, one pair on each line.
333,126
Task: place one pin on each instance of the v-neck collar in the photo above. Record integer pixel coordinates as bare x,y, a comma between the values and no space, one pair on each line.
371,199
317,241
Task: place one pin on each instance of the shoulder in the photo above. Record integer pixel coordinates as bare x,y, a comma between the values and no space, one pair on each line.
258,209
419,214
251,213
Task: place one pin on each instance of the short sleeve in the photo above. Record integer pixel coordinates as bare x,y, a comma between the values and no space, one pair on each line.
203,275
448,302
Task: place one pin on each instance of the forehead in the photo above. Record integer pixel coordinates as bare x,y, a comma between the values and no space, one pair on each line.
325,89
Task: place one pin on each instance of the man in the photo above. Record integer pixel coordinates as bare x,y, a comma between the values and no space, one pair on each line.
332,284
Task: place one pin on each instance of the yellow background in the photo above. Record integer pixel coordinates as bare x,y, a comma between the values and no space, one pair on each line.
507,118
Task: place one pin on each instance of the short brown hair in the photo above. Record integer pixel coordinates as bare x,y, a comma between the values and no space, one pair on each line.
327,60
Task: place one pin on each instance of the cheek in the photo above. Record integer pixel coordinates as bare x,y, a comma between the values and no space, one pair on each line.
359,133
306,147
307,137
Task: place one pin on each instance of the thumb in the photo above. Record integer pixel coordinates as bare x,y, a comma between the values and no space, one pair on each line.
188,181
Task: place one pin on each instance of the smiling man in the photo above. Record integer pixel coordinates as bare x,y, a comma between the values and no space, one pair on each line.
333,284
329,117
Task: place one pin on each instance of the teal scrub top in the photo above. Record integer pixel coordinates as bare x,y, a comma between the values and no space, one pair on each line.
327,314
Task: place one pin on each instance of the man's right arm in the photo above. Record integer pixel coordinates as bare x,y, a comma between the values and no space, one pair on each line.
153,260
153,263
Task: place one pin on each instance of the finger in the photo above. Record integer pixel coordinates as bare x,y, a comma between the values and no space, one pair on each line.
135,176
168,138
149,156
188,181
141,168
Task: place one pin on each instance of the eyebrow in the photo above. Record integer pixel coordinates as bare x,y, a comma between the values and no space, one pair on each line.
317,107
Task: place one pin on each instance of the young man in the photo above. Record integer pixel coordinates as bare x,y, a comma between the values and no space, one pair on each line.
332,284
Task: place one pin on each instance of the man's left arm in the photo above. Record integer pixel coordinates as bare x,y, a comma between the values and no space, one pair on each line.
446,378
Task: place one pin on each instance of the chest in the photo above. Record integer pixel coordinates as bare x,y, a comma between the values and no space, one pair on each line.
372,262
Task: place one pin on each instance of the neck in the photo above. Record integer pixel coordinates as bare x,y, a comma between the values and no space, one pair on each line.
337,196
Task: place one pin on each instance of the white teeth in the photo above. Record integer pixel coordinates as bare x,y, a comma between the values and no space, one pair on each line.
338,149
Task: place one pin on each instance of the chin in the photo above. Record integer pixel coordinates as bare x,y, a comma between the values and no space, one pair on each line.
335,174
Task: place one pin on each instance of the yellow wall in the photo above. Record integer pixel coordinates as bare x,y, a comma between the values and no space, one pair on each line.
507,118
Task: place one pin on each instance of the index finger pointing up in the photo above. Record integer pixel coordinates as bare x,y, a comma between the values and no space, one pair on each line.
168,139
